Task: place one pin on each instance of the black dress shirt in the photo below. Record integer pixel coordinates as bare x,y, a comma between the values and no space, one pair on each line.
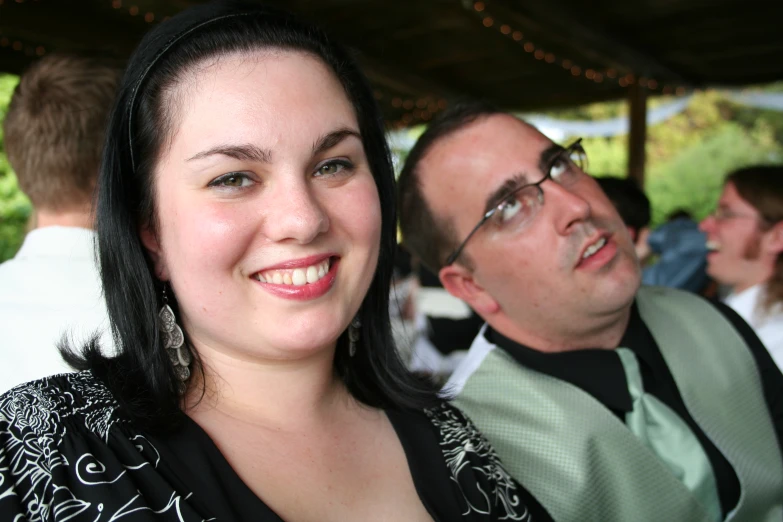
600,373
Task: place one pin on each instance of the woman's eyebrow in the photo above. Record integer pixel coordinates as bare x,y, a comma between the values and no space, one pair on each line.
327,141
246,152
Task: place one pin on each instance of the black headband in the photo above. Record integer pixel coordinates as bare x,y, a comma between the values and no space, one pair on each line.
154,61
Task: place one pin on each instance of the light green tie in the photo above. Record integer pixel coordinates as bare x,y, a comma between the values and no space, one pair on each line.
670,438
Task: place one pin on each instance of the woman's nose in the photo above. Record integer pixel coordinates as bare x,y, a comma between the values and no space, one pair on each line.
296,214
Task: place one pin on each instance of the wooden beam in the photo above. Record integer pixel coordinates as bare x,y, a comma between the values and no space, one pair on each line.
637,138
402,81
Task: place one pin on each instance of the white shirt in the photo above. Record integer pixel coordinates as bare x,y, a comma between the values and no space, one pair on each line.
768,325
49,289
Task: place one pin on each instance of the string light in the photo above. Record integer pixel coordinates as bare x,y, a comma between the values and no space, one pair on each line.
416,109
598,76
20,46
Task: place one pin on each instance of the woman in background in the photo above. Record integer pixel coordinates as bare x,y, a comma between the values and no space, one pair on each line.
246,230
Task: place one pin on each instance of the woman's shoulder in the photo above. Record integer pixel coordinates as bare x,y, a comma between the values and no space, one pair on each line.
457,430
473,465
45,406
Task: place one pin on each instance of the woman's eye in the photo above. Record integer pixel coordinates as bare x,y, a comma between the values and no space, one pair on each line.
333,168
233,180
329,169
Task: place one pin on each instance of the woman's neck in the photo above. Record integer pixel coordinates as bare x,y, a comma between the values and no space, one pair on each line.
281,395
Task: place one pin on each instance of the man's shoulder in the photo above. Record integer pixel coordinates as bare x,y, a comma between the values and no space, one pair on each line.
44,406
690,299
477,356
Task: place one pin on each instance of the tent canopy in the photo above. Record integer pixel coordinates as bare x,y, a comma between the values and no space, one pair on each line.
419,54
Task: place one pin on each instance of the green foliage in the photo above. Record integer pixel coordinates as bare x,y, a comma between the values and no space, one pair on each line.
689,155
15,208
693,178
607,156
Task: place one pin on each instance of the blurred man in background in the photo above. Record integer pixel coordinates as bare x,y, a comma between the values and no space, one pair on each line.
745,239
54,133
678,244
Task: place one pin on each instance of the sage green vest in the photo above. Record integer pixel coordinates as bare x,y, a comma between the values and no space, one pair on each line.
581,461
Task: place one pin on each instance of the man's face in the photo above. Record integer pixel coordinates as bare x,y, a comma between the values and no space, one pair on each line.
734,240
544,275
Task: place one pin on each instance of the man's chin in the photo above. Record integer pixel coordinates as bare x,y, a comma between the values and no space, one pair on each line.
620,290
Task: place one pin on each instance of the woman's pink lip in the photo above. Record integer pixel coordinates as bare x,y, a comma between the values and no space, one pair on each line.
304,292
303,262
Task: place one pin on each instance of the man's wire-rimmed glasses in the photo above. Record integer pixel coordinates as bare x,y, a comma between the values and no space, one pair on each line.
524,201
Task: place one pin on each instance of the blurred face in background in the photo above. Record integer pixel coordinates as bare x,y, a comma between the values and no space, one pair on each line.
738,254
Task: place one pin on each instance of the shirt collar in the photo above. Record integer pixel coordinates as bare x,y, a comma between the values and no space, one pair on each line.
60,242
596,371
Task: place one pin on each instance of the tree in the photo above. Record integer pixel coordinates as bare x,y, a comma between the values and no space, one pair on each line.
15,208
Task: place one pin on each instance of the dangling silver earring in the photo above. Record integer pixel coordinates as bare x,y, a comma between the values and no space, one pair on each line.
174,342
354,333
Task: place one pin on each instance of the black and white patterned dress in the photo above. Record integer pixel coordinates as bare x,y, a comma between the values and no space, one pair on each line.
68,454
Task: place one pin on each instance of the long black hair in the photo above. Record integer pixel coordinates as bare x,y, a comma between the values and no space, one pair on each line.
140,375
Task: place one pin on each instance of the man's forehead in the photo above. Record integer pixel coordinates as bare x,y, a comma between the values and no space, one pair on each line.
482,155
493,140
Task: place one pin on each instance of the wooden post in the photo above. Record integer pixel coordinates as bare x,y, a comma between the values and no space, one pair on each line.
637,136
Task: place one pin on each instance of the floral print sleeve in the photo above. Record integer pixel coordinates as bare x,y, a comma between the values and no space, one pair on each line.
57,462
474,466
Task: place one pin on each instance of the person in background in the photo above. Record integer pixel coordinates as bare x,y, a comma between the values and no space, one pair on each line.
631,203
54,134
446,327
642,403
745,239
246,231
678,244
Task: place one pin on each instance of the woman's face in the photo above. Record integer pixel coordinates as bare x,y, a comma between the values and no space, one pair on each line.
269,220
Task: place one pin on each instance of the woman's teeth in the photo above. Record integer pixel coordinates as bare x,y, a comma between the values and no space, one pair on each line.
713,246
297,276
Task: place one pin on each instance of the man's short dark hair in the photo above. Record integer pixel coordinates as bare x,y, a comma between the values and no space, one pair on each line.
431,238
629,200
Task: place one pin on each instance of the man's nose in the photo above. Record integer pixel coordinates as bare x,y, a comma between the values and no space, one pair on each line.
569,206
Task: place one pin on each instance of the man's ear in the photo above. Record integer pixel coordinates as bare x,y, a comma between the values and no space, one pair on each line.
460,282
150,241
773,238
